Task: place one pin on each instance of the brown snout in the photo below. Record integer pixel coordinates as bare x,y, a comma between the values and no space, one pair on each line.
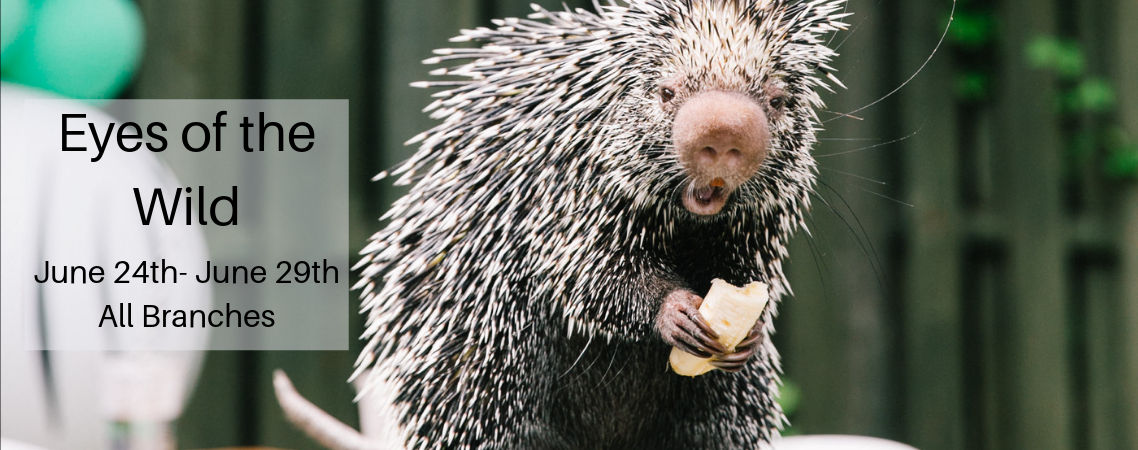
721,138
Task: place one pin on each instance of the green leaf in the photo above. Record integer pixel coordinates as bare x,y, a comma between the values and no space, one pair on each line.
1065,57
1070,62
972,86
1123,163
789,396
1042,52
1094,95
971,29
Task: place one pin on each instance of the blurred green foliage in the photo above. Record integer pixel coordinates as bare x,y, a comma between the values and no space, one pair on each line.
973,85
1063,56
972,37
789,397
1081,94
1122,151
972,28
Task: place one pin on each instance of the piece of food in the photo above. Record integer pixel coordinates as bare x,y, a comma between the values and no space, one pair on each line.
732,312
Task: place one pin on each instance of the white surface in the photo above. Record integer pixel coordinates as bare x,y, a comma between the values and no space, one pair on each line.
838,442
8,444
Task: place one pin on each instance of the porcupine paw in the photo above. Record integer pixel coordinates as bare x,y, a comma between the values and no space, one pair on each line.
735,361
681,325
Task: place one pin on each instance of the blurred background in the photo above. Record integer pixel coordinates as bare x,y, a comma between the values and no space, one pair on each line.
971,277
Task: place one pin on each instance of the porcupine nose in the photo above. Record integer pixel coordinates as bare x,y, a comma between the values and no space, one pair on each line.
721,138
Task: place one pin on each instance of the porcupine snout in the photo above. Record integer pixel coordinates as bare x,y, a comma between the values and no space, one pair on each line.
721,138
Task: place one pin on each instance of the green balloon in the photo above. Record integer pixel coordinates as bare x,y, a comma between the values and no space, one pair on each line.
13,17
85,49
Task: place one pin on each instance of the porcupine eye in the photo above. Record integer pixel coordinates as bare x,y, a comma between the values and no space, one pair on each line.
667,94
776,102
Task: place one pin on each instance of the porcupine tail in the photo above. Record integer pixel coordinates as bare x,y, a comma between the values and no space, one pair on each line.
317,424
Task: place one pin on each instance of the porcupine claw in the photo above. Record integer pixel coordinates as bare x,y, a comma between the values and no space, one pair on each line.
682,326
735,361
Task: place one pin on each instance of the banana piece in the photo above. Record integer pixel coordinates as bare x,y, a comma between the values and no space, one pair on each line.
732,312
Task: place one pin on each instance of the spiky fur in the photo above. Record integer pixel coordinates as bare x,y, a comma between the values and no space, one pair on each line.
512,295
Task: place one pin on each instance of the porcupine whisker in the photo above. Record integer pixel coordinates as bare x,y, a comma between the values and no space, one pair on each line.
821,236
583,350
851,139
615,375
867,247
870,147
578,376
615,351
680,189
833,36
852,30
819,260
568,383
591,364
886,197
840,115
860,177
951,16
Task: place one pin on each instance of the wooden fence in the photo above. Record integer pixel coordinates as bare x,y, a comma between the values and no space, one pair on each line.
968,284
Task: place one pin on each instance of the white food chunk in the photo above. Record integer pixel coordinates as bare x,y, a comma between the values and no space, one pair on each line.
732,312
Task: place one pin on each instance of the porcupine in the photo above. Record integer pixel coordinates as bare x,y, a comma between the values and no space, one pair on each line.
592,174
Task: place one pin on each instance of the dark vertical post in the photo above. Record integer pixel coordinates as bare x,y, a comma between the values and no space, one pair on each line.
310,50
1125,71
932,335
838,326
1029,202
199,50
